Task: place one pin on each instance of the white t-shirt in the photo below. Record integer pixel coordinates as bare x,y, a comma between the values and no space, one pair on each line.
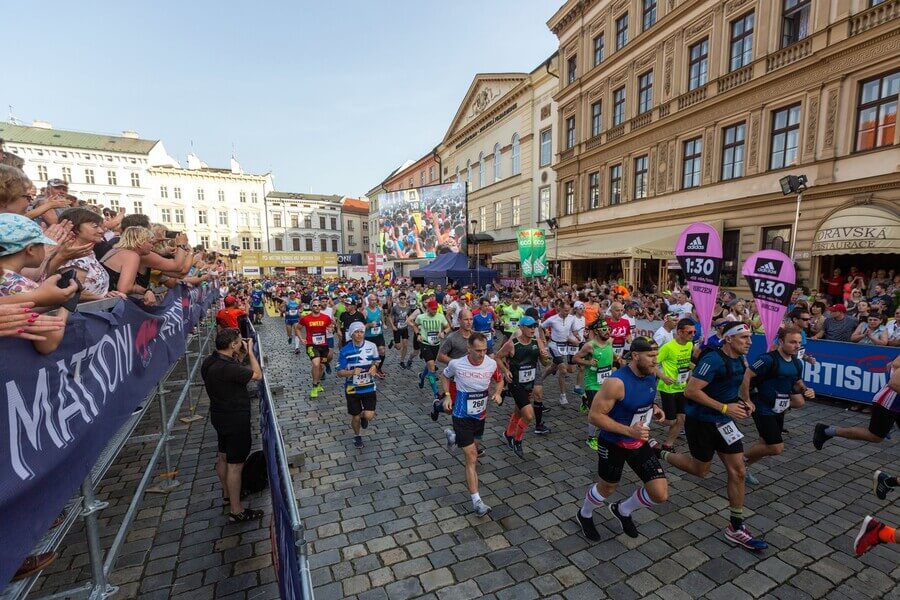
683,310
452,310
560,329
578,327
661,336
469,377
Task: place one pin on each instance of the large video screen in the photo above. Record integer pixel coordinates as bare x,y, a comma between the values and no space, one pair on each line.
422,222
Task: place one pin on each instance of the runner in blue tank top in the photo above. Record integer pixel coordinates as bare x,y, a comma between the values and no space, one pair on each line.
622,410
375,328
483,322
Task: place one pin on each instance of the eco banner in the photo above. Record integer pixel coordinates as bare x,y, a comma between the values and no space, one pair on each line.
526,248
538,253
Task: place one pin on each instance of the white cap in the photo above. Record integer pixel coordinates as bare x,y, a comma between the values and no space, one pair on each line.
578,304
355,326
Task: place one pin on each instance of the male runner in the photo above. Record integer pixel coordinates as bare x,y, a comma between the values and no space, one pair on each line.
510,315
396,317
316,324
455,345
358,363
597,355
473,375
667,331
518,360
257,297
619,328
351,315
885,414
713,400
622,411
375,328
430,329
290,309
563,344
483,322
578,323
674,360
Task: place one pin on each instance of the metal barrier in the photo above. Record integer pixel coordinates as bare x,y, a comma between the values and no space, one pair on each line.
297,530
88,506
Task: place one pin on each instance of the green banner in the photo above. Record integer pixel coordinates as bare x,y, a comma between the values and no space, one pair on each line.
538,253
525,250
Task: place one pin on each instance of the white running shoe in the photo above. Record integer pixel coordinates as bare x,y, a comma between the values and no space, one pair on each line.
563,400
451,438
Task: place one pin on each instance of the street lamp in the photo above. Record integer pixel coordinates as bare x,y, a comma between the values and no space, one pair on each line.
474,223
794,184
553,224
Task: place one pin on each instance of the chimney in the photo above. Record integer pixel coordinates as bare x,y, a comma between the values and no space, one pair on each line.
130,134
42,124
193,162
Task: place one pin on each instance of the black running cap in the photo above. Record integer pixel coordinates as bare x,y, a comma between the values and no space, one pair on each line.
643,344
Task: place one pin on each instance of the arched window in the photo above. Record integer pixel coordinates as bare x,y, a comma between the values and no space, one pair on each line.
497,165
516,168
481,170
468,171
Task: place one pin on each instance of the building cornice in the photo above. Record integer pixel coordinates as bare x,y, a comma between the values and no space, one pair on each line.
195,174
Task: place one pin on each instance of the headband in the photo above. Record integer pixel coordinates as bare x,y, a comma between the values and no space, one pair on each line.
737,329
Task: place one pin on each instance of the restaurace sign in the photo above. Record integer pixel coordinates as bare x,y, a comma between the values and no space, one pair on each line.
844,238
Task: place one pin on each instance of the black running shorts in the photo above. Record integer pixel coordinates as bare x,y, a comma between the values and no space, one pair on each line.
882,419
611,459
672,404
704,440
769,427
356,403
467,431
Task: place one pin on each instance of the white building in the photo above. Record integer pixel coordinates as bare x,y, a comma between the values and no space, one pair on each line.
111,171
303,222
217,208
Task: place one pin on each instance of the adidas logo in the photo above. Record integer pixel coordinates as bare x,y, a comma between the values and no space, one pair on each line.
696,244
767,269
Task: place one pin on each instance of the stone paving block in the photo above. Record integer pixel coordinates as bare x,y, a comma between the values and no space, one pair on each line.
467,590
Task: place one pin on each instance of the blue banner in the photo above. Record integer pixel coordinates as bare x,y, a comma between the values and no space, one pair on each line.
62,409
842,370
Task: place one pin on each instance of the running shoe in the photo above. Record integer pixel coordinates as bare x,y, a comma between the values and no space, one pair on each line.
510,440
363,422
587,527
481,509
868,535
547,409
436,407
750,479
422,380
743,538
357,442
328,367
562,399
819,437
541,429
480,452
314,393
451,438
880,486
320,386
627,523
579,391
592,444
518,449
583,408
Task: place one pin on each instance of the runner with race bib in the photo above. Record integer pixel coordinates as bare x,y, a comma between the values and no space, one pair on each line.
473,375
375,328
674,369
714,401
290,309
358,362
562,347
598,359
316,325
430,328
622,411
619,328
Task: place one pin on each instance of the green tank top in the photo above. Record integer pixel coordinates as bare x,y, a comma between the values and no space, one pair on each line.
523,363
594,376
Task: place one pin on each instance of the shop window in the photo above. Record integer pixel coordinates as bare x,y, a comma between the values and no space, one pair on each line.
777,238
731,257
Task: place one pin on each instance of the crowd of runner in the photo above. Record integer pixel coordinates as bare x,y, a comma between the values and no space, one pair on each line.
478,347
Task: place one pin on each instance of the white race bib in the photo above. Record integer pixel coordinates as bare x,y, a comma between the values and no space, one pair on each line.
729,432
362,379
292,312
513,323
644,416
602,374
618,350
526,374
801,353
318,339
782,403
568,350
683,374
476,403
375,330
432,337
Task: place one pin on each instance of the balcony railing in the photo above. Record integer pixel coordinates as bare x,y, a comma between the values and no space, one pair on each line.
641,120
875,16
616,132
692,97
664,110
566,154
788,55
735,78
593,142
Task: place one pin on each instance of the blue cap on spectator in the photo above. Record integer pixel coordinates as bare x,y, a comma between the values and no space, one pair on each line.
18,232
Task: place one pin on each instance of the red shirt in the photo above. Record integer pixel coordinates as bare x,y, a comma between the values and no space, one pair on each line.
227,318
315,326
618,330
836,285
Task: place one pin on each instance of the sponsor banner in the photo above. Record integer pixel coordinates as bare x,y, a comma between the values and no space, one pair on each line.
421,222
61,409
772,279
370,263
330,271
842,370
287,259
355,273
538,253
347,260
525,242
254,271
699,252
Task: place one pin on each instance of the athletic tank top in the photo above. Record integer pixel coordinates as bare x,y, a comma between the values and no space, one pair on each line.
482,322
637,405
523,363
594,376
373,316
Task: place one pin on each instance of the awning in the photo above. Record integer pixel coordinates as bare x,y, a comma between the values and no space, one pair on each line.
652,242
864,229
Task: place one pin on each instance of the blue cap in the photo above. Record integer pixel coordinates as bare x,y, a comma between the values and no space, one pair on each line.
18,232
527,321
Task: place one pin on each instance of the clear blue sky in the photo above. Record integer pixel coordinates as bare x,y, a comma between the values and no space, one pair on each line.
329,96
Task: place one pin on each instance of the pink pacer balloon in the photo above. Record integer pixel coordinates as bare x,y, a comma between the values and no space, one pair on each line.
772,279
699,252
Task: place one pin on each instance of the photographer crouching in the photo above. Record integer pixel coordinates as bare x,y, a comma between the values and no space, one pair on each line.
226,378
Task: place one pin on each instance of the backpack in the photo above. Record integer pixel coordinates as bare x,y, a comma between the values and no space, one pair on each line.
255,477
729,370
773,372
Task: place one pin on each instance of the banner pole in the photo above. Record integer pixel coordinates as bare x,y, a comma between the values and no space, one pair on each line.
100,588
169,482
796,224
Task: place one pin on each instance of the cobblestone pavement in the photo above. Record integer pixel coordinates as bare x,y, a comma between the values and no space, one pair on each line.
392,520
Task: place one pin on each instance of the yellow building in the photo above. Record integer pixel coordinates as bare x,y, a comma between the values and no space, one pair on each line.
673,111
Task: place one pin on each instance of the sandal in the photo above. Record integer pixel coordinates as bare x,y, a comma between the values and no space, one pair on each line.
247,515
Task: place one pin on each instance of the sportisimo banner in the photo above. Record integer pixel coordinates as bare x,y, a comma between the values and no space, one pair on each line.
772,279
61,409
699,252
